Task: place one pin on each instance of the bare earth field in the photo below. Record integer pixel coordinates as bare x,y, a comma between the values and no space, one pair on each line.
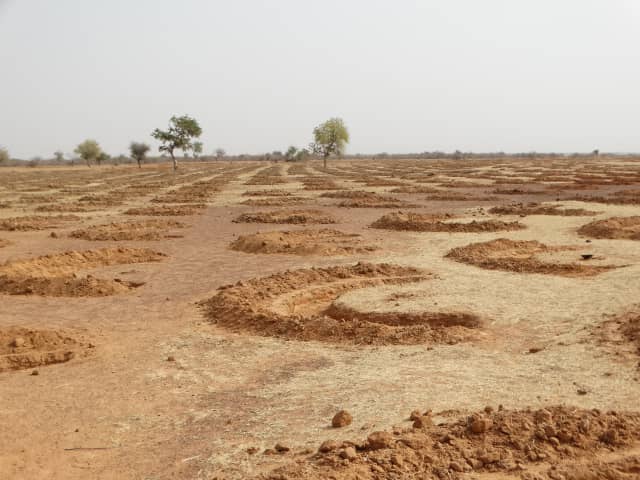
476,319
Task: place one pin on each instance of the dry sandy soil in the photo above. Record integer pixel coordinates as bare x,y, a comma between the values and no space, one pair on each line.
209,324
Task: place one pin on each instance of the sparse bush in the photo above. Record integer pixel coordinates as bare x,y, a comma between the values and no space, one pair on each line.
139,151
89,151
4,155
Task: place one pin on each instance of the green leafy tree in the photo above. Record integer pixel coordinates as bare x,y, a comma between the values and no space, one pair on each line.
291,153
59,156
330,138
197,149
103,157
4,155
179,136
89,151
139,151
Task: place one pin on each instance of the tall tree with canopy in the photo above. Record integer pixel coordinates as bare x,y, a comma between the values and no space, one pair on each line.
179,136
89,151
330,138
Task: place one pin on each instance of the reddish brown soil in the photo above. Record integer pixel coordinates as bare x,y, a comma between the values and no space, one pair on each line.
295,217
627,228
4,243
302,242
143,230
522,443
297,305
621,334
22,348
415,189
517,191
55,275
357,194
35,222
520,256
416,222
537,209
458,197
167,211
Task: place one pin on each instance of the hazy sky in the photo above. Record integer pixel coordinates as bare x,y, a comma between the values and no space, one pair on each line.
406,75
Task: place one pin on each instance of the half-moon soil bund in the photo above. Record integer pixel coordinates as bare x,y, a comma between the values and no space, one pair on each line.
302,242
22,348
416,222
614,228
521,257
56,275
295,304
293,217
553,443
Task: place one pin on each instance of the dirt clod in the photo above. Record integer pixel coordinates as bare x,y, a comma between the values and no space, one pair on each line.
341,419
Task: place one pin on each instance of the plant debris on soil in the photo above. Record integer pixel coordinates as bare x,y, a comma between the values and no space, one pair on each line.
520,256
143,230
294,217
297,304
538,209
55,275
616,228
553,443
416,222
22,348
302,242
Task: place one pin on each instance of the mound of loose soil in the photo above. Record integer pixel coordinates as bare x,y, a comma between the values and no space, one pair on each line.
22,348
55,275
302,242
520,256
537,209
381,202
548,444
35,222
266,193
415,189
416,222
295,217
613,228
517,191
297,304
4,243
144,230
274,202
458,197
355,194
167,211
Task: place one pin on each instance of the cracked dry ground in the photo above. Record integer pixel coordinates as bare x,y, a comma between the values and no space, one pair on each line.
460,350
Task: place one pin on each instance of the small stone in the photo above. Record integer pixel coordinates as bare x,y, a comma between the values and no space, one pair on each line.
18,342
415,415
582,391
171,358
35,372
341,419
281,448
53,235
609,437
252,450
349,453
328,446
379,440
422,422
456,467
543,416
480,424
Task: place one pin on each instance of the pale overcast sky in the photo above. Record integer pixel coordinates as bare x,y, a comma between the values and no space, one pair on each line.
406,75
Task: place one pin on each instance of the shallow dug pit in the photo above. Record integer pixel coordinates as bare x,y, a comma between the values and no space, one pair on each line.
552,443
417,222
22,348
298,305
35,222
143,230
294,217
56,275
621,334
167,210
524,210
302,242
523,257
616,228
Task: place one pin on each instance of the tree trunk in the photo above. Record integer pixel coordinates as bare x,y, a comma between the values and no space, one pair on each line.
139,166
175,162
325,161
